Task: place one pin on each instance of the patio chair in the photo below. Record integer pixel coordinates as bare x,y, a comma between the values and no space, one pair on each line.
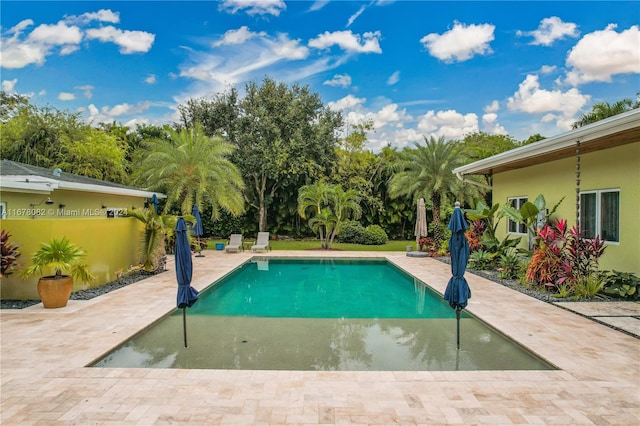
234,243
262,243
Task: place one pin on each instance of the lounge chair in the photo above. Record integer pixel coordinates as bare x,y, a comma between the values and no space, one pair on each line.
234,243
262,243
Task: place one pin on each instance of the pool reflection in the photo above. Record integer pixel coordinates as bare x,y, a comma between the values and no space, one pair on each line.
250,343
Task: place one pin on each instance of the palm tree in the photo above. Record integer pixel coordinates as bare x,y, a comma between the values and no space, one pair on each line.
312,198
332,205
346,206
156,230
192,168
602,110
426,171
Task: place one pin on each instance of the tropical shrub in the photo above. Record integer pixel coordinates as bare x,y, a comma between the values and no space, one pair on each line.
509,266
10,254
545,266
474,235
482,260
352,232
625,285
589,286
375,235
580,260
563,258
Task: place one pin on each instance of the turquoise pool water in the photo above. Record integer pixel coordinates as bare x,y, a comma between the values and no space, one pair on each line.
321,288
321,314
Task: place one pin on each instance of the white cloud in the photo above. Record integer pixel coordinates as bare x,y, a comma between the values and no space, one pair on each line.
393,78
18,53
103,15
318,4
87,90
151,79
532,99
347,102
491,126
289,49
355,16
238,36
108,114
66,96
58,34
460,43
492,107
449,124
601,54
547,69
129,41
253,7
8,86
550,30
348,41
342,80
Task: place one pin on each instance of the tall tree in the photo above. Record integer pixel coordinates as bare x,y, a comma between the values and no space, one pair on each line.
427,171
601,110
193,168
285,138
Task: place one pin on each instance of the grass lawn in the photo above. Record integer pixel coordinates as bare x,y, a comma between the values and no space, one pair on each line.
315,244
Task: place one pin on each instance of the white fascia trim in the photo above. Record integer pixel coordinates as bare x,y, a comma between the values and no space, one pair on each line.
87,187
617,123
33,188
32,185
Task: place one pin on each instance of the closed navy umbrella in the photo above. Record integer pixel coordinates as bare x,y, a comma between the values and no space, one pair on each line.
154,203
458,292
197,230
187,295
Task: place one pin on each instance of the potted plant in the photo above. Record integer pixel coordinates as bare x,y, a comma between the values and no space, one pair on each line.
61,256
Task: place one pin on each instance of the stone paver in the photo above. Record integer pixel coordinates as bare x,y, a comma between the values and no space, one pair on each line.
44,379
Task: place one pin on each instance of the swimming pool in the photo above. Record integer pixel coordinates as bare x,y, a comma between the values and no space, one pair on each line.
321,314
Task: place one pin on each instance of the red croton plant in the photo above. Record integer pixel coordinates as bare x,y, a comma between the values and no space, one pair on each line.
563,257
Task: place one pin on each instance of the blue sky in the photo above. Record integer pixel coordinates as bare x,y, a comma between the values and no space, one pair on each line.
414,68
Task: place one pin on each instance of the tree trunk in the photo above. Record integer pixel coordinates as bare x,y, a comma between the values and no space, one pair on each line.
260,185
437,228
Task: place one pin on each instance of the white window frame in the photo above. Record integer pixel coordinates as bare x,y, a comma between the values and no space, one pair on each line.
519,226
598,218
3,209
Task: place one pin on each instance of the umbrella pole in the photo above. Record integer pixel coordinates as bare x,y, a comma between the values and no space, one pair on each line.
457,328
184,325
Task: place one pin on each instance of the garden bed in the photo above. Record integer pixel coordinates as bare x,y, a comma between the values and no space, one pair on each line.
89,293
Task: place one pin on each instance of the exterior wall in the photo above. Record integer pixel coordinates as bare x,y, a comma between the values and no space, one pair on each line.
111,244
614,168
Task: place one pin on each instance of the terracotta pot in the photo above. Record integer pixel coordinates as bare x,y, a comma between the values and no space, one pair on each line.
55,292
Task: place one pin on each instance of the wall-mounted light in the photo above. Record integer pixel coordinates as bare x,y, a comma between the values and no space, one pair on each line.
104,207
47,201
61,206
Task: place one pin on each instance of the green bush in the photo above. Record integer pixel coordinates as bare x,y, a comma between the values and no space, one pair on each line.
374,235
625,285
482,260
352,232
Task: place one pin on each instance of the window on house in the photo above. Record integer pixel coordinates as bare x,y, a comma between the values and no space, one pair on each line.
3,210
515,227
600,214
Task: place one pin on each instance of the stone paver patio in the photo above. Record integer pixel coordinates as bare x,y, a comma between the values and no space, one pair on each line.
44,379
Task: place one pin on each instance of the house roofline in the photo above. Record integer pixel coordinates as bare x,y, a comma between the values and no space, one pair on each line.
592,132
43,185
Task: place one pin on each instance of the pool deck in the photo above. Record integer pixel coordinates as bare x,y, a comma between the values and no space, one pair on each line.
44,380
